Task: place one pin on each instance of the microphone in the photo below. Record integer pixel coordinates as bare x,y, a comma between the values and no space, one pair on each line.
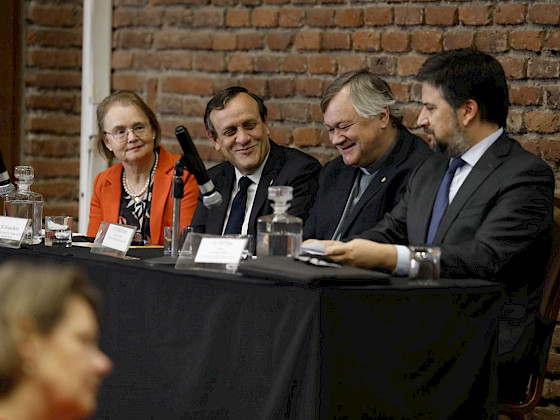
210,197
5,185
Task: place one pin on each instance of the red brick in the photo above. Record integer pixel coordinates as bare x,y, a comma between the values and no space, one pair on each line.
324,156
401,91
163,60
322,64
551,151
307,136
510,14
350,62
224,41
54,58
50,78
514,67
54,37
60,188
257,86
491,41
475,15
395,41
177,16
57,167
291,18
458,39
265,18
186,84
378,16
54,15
427,40
294,64
121,59
543,121
276,2
249,41
267,63
53,123
544,14
129,38
530,144
542,68
240,63
553,40
410,116
137,17
193,106
237,18
409,65
295,111
169,104
208,17
53,146
281,134
308,41
61,101
209,61
526,40
281,87
316,113
382,65
182,39
553,96
366,40
408,15
309,86
279,41
323,17
274,112
441,15
336,41
349,18
525,95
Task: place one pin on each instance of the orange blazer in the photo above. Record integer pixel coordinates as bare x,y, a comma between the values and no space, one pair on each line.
106,199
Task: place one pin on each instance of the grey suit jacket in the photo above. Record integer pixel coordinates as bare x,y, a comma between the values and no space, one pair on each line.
385,190
284,166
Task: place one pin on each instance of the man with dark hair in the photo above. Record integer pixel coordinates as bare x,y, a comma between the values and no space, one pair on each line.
377,154
489,208
236,121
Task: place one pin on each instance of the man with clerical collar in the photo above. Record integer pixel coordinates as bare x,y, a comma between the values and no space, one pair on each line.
236,122
377,154
485,201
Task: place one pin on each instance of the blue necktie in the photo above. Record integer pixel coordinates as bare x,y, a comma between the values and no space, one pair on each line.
442,198
237,212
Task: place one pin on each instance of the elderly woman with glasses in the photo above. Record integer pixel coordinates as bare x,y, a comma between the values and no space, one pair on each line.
138,190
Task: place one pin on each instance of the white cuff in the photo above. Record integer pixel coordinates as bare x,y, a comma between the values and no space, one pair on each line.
403,258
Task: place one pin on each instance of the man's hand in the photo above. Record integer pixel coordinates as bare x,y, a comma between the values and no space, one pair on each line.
362,253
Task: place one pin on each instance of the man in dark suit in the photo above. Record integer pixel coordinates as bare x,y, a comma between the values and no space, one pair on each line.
235,121
497,223
377,154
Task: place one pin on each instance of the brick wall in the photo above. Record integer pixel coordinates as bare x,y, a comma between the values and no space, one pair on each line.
178,53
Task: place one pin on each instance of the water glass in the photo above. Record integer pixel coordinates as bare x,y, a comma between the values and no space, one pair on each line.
424,263
183,236
58,231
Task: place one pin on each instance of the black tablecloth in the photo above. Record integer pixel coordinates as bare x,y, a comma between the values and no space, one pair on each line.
208,345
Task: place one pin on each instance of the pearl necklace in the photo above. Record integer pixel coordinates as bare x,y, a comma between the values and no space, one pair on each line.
137,197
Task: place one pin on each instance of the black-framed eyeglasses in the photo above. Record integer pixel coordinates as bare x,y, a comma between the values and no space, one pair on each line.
140,130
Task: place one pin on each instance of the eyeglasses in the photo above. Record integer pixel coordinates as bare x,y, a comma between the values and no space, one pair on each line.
121,134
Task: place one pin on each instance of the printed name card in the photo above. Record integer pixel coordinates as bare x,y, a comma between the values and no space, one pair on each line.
12,230
113,239
220,250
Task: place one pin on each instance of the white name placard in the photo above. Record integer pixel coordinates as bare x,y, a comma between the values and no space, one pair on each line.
13,228
118,237
220,250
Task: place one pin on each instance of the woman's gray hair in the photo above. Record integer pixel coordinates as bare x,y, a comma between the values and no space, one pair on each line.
369,95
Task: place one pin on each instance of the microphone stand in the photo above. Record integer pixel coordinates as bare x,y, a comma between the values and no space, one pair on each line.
178,186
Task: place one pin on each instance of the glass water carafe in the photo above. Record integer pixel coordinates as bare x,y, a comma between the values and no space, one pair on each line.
279,233
26,204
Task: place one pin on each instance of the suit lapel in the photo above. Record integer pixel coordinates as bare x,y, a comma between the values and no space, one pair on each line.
338,197
216,217
112,194
489,161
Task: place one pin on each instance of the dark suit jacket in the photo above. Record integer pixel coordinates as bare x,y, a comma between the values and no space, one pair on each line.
497,227
284,166
383,193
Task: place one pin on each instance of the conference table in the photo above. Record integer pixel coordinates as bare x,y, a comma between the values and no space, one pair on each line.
205,344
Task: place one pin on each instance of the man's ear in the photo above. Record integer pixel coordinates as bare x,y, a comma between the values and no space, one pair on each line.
214,140
467,112
385,117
